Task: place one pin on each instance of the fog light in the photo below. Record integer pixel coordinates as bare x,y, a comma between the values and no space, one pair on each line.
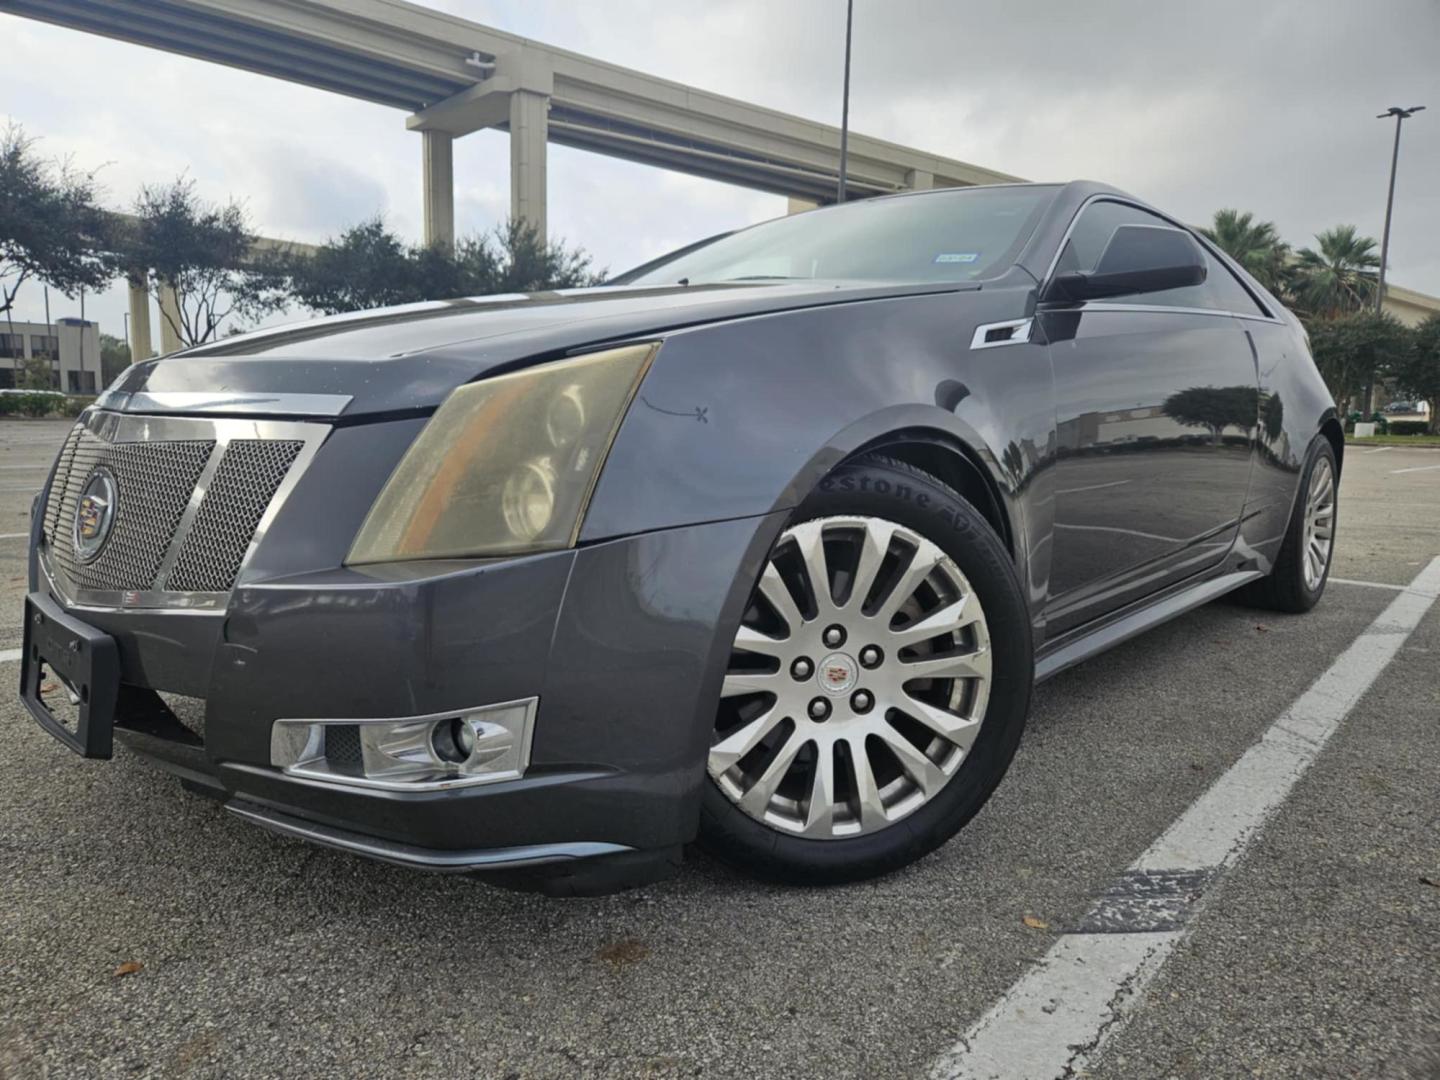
415,753
452,739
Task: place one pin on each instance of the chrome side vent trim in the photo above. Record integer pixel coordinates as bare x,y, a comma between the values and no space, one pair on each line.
1010,332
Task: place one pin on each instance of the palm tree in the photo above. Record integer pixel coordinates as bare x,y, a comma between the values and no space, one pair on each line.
1255,245
1341,276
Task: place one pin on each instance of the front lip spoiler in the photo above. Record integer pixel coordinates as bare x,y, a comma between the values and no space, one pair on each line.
418,858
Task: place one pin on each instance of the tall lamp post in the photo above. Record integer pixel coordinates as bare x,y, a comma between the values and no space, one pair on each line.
1401,115
845,103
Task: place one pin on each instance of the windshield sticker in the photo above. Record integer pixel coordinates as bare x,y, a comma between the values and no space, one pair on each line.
957,256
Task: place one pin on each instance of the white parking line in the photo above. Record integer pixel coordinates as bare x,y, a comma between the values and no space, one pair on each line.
1378,450
1415,468
14,536
1368,584
9,656
1059,1014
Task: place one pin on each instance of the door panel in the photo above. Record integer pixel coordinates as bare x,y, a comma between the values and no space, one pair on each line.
1156,417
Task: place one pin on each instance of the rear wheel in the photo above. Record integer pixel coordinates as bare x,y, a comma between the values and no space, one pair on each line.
1302,566
877,686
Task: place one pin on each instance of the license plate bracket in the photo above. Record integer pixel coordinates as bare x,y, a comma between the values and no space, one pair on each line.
86,660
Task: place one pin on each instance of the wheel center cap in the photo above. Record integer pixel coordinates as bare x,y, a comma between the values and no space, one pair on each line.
837,673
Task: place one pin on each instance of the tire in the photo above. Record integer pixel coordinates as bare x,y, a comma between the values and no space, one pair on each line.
855,504
1291,586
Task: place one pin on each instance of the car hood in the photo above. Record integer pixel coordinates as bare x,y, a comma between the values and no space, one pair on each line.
407,359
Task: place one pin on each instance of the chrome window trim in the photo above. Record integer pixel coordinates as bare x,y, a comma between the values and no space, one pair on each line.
1105,196
1020,337
212,403
1105,305
1258,318
125,428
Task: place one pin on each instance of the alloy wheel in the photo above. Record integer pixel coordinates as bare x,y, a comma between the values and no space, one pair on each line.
1319,523
857,684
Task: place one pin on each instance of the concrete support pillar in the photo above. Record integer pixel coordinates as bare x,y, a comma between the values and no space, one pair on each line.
529,129
799,206
437,148
169,320
919,180
139,323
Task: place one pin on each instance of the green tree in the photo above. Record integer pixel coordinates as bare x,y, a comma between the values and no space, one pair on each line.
1341,276
50,227
366,266
1353,350
36,373
203,251
1255,245
1417,371
114,358
523,261
369,266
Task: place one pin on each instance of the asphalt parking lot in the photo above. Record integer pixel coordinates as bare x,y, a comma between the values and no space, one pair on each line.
1315,953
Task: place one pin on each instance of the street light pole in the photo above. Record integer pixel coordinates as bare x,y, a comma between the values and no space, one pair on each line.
845,104
1400,115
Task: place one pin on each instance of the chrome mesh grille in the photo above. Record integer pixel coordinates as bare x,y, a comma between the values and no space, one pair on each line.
154,481
249,475
190,494
62,477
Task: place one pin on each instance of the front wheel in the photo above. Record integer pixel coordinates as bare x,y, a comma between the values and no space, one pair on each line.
877,687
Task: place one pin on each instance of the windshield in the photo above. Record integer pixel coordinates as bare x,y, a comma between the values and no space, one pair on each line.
963,234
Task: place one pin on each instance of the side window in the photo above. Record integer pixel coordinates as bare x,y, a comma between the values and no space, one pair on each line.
1226,288
1093,229
1098,222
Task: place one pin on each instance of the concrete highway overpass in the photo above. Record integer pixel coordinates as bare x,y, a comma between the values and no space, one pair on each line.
453,76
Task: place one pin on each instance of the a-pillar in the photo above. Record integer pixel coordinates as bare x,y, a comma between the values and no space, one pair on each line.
139,323
529,129
169,320
439,181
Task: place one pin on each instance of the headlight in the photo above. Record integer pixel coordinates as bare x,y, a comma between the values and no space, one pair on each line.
506,465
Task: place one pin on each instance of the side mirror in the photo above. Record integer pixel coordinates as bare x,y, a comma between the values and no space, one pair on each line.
1138,259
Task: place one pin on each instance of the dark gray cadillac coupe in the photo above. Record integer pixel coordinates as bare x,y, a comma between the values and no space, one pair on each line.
765,544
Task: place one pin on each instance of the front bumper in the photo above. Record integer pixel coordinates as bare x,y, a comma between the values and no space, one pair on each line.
624,644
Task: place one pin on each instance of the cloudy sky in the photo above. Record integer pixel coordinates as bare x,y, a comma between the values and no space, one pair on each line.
1268,106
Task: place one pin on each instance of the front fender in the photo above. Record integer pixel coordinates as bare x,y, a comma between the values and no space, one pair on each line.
745,418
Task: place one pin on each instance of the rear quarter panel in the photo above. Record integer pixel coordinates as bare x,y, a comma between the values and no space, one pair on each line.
1295,404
